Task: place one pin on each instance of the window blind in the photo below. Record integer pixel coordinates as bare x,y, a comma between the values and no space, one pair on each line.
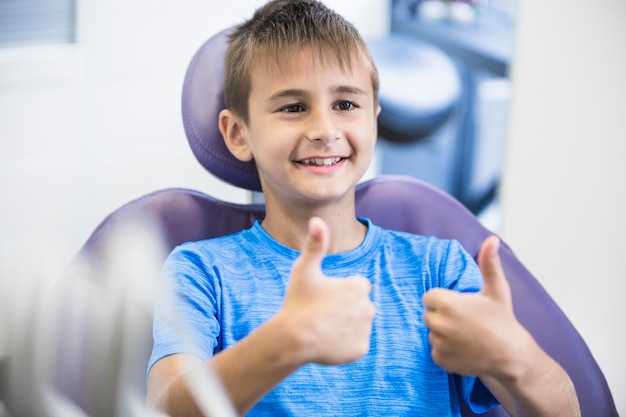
36,22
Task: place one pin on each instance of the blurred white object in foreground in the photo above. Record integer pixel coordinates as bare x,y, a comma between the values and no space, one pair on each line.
76,341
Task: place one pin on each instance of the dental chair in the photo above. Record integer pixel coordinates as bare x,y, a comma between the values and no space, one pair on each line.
395,202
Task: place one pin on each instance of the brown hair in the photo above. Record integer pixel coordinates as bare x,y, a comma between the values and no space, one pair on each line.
277,30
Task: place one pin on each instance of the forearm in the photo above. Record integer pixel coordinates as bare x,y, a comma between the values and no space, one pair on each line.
255,365
552,394
246,372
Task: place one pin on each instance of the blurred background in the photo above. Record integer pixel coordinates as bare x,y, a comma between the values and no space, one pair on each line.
517,110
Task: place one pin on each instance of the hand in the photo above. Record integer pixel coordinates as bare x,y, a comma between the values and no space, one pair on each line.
332,316
476,333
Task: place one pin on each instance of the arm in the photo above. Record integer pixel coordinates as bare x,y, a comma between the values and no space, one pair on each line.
322,320
247,371
478,334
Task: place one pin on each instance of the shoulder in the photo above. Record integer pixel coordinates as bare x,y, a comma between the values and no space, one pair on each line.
191,260
443,258
208,247
416,243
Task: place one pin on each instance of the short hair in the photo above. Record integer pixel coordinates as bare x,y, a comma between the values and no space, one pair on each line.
281,28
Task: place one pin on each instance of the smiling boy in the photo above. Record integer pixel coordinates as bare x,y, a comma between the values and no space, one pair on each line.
314,311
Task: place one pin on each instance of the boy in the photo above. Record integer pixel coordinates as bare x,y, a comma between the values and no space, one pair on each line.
316,312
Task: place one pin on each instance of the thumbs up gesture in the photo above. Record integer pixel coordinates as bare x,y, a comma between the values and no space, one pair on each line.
475,333
332,317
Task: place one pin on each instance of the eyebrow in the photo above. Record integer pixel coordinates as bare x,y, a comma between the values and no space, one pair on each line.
298,93
289,93
346,89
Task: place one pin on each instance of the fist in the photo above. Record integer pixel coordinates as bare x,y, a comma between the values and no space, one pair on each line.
475,333
331,316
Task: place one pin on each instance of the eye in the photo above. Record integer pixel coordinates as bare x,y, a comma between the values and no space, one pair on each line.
345,105
292,108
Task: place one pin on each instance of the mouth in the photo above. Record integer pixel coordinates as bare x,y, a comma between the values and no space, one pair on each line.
321,161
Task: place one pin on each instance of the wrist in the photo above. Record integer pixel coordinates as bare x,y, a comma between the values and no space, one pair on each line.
519,360
293,345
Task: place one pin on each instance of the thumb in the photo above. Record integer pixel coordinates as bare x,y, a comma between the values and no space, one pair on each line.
495,284
315,245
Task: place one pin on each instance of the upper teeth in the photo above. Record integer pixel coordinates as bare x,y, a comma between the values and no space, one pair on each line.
321,161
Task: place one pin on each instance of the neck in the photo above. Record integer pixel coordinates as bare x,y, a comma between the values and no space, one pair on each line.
290,226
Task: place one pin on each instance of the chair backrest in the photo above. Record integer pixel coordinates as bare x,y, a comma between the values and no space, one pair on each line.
400,203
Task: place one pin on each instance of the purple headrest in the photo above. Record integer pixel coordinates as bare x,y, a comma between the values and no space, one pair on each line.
202,100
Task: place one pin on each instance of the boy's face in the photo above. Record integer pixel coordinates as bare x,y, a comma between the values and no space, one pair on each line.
312,127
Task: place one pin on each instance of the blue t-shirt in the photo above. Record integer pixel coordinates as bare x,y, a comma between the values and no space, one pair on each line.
227,287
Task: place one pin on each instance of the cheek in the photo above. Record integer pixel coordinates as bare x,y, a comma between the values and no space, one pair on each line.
367,137
263,140
270,151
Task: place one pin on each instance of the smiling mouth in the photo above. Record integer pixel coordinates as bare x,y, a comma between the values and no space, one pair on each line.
321,161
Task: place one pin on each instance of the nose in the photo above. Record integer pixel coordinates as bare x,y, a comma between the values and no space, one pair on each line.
322,127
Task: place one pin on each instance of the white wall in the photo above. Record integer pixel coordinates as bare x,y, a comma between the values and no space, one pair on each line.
85,128
564,191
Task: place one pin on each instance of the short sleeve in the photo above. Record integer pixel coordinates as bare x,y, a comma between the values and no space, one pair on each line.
459,270
185,314
475,394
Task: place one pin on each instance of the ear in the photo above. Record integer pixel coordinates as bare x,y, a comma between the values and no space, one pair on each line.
378,109
233,131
